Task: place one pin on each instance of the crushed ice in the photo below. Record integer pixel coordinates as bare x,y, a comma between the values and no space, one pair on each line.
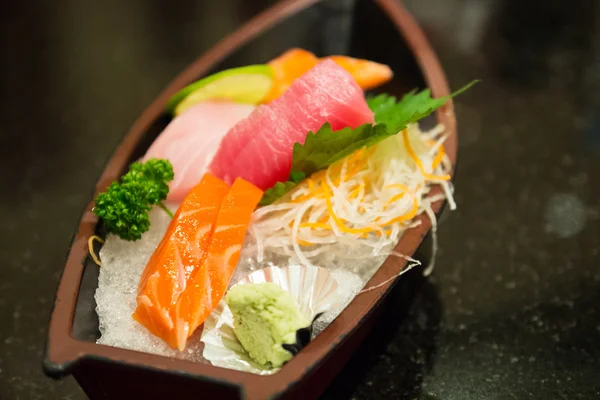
123,263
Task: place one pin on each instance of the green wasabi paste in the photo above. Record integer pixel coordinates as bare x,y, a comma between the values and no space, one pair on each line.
264,318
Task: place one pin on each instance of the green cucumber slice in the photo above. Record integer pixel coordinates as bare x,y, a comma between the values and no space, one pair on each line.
248,85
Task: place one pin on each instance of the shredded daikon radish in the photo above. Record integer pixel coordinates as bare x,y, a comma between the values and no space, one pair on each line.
370,197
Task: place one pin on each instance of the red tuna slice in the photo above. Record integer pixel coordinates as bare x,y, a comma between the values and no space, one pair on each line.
259,148
190,141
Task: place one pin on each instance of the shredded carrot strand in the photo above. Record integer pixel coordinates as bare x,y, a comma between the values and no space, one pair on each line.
398,196
417,161
393,199
356,161
359,162
315,225
318,176
438,158
336,219
405,217
353,194
304,197
378,233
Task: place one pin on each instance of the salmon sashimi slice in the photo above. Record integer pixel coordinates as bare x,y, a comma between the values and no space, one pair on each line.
368,74
181,251
207,284
287,68
295,62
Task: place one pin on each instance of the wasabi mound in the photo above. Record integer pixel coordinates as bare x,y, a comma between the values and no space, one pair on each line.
264,318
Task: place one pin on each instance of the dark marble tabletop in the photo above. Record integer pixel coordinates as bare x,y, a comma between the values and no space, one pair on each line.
512,309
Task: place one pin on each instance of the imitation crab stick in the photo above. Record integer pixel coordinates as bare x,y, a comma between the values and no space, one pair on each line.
295,62
190,269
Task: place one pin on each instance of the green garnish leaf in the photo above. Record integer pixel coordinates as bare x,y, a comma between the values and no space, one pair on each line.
124,207
324,147
412,107
277,191
297,177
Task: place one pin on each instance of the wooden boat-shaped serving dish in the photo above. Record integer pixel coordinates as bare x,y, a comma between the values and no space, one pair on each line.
325,27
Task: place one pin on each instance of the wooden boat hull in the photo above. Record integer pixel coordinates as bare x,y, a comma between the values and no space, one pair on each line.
108,372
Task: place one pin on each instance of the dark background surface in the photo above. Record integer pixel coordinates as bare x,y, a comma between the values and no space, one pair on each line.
511,311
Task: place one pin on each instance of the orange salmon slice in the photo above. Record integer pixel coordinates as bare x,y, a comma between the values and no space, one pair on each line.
182,250
207,284
295,62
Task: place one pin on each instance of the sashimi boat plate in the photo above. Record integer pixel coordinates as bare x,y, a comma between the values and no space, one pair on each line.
107,372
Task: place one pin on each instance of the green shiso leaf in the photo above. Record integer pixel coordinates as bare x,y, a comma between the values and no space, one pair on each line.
324,147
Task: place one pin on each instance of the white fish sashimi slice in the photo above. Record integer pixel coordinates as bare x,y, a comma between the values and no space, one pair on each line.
191,140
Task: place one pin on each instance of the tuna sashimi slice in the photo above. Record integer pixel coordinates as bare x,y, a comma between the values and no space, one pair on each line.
182,250
259,148
208,283
190,141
